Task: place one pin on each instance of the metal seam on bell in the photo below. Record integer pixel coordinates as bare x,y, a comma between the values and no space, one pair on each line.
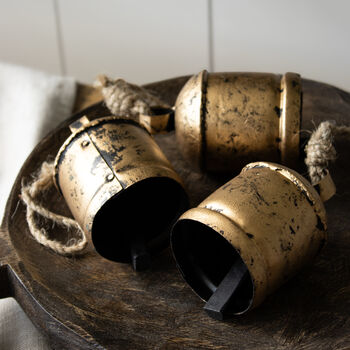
106,161
203,114
76,133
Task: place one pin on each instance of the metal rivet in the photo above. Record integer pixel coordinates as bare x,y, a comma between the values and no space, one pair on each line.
85,143
109,177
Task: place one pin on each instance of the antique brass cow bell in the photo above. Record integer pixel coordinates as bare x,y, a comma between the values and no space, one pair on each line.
249,237
120,188
226,120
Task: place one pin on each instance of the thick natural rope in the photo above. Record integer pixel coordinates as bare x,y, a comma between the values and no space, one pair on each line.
125,99
320,150
41,183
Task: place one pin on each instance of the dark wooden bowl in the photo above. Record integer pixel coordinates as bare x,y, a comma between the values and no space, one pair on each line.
88,302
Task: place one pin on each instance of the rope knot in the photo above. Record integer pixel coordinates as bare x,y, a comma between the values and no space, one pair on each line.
320,150
125,99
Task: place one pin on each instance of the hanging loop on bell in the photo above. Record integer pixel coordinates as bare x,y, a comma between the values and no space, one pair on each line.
137,103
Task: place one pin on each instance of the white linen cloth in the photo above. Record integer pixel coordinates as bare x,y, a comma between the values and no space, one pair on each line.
31,104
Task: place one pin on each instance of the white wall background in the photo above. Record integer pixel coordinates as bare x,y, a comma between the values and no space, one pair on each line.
149,40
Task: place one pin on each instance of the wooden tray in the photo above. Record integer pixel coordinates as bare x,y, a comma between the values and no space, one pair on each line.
88,302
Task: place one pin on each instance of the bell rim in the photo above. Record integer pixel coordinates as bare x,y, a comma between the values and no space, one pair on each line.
259,283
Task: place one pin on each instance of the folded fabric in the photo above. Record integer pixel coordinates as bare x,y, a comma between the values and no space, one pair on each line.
17,332
31,104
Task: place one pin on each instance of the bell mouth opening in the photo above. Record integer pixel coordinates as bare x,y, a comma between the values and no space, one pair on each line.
141,214
204,258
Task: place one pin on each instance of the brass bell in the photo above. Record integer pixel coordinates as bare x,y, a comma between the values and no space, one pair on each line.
248,237
223,121
117,183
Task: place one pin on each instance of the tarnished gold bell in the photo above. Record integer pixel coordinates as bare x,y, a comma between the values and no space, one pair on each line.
226,120
120,188
249,237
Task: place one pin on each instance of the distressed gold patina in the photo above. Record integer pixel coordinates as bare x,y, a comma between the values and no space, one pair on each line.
160,122
269,216
226,120
119,186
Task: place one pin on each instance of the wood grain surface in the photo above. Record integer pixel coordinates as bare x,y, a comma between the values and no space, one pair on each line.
87,302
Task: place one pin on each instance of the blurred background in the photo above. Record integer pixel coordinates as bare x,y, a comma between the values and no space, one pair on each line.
145,41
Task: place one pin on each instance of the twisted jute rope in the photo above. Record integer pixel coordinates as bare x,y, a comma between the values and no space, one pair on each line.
128,100
320,150
121,98
42,182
